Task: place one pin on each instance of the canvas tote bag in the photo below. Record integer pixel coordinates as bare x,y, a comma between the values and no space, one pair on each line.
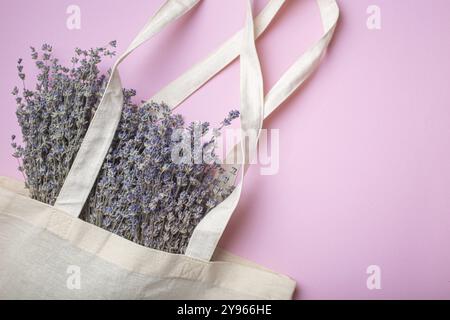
43,246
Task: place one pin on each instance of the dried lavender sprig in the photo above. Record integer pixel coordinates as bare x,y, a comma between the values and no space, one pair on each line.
54,117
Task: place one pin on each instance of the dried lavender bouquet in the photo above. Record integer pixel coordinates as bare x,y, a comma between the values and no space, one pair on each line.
140,193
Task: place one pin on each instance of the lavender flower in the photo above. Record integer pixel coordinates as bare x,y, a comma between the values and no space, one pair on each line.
140,193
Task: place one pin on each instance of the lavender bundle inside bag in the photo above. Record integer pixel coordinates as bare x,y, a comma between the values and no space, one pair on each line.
142,193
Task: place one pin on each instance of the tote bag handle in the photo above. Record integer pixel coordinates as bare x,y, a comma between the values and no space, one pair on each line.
254,108
98,138
208,232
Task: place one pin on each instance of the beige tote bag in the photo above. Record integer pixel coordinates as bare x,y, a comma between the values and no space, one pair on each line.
47,252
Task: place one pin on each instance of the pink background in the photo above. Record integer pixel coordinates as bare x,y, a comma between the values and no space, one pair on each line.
364,173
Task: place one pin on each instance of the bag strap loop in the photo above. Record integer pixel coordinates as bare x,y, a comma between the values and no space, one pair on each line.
208,232
254,107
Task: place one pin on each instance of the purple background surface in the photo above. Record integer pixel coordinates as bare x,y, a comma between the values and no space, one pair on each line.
364,175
